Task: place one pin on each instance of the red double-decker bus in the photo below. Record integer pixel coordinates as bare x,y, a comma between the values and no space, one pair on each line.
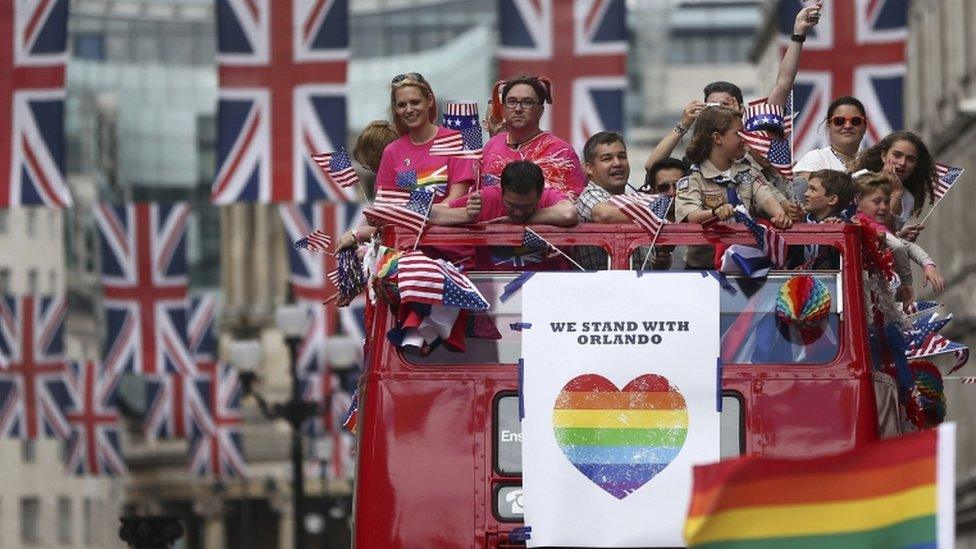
439,439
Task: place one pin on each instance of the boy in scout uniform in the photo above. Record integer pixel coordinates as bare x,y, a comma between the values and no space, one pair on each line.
720,180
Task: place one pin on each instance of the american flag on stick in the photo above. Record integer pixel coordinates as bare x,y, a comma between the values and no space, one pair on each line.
315,241
648,212
411,215
464,144
338,167
767,239
947,175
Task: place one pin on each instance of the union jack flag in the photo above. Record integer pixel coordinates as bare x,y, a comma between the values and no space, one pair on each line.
145,286
95,447
171,394
582,46
327,391
857,49
33,385
216,445
767,239
309,279
282,69
947,176
32,58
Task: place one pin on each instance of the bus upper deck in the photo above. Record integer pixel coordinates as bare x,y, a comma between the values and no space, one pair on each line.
439,440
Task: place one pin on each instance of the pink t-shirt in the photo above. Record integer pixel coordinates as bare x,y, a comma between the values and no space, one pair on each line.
559,162
403,156
493,207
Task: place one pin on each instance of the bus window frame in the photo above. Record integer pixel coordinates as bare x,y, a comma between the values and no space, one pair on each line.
622,240
494,439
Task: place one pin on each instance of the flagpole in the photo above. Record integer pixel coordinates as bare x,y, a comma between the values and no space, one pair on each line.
426,217
571,260
650,248
934,206
362,189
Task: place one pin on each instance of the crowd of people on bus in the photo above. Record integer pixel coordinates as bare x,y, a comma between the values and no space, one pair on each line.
528,175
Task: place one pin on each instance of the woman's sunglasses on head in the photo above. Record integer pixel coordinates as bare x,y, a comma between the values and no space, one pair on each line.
415,76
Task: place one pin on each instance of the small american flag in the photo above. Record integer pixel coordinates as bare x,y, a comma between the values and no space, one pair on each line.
535,241
421,279
648,212
333,277
767,239
352,415
411,215
315,241
338,166
777,151
760,115
463,144
390,197
947,176
919,307
921,346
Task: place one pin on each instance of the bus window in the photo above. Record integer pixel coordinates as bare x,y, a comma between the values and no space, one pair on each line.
662,258
507,431
508,435
751,334
490,337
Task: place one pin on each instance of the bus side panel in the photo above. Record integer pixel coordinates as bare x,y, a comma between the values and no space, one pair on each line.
803,417
416,474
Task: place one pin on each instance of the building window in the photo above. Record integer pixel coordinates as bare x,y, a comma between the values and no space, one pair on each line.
4,280
31,221
28,451
86,521
64,520
30,520
90,46
32,281
52,281
3,221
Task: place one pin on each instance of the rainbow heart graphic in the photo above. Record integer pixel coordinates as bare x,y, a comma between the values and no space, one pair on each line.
620,439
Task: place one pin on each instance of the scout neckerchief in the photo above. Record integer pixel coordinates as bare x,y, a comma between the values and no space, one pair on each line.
731,185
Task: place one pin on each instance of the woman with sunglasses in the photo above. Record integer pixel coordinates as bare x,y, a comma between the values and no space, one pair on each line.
414,109
904,158
522,105
846,124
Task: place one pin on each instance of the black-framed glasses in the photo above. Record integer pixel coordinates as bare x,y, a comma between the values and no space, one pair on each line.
527,103
415,76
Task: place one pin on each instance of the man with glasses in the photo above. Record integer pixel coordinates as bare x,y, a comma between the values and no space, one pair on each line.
520,198
523,101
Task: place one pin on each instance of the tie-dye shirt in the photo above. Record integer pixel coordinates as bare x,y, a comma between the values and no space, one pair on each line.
559,162
432,171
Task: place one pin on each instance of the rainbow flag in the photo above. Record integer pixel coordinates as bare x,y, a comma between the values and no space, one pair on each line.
620,439
893,493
